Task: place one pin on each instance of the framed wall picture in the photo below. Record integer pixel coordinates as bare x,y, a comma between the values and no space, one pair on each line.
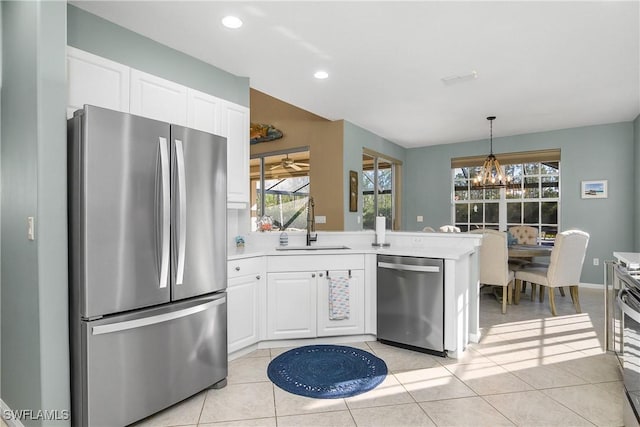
594,189
353,191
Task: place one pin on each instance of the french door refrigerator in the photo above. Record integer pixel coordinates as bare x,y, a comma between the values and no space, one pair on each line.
147,238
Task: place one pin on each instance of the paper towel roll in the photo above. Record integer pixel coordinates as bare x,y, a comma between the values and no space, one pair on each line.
380,229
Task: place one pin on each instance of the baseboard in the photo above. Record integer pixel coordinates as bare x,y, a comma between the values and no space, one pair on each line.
591,286
9,420
312,341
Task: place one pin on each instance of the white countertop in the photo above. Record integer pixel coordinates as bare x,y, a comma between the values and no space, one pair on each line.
630,259
428,245
430,252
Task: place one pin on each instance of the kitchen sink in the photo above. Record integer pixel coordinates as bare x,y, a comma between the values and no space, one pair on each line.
312,248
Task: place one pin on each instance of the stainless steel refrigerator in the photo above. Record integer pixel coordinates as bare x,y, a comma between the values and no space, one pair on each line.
147,238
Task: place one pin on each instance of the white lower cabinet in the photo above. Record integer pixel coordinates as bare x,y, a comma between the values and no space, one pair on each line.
352,324
246,301
291,305
298,304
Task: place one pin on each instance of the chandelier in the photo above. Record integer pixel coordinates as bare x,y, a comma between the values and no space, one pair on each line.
492,174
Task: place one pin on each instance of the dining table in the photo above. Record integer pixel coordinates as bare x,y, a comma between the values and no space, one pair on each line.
529,251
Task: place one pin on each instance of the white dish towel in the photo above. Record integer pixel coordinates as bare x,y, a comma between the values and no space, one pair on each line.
338,297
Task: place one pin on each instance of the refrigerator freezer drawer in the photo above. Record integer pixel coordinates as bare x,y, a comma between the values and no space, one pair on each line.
142,362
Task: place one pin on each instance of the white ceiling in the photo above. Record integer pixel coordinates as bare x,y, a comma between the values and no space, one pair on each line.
540,65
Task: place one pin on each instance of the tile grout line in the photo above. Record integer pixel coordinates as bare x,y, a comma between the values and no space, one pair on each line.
204,401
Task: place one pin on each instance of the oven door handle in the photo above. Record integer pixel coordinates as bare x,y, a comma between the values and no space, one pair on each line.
627,309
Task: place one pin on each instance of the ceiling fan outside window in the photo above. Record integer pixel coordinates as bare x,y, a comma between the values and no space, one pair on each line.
289,163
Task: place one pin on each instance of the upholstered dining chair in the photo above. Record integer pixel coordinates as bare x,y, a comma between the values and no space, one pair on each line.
494,269
524,234
565,267
450,229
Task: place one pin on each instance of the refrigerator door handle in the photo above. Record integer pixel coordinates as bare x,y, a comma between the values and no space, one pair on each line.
152,320
166,212
182,211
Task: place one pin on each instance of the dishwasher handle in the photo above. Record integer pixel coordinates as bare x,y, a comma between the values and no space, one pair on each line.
409,267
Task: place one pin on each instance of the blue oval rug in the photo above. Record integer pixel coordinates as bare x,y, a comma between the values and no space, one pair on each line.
327,371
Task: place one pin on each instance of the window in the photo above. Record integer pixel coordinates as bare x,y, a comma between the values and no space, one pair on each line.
380,197
533,199
280,188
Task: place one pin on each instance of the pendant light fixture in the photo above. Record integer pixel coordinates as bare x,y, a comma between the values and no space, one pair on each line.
492,174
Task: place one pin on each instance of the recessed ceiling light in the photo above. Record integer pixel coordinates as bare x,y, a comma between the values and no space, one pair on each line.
321,75
232,22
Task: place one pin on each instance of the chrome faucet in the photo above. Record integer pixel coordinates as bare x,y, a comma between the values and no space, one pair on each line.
311,222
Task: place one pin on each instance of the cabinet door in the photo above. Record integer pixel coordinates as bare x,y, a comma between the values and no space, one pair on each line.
204,112
95,81
243,311
235,126
353,287
291,305
158,99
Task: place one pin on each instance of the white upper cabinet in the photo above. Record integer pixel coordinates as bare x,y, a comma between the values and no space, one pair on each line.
157,98
235,126
215,115
204,112
96,81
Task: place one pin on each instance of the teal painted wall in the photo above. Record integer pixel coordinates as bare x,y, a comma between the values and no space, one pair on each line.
355,139
103,38
636,218
587,153
35,347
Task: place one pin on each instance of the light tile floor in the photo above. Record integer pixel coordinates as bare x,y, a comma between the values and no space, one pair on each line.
530,369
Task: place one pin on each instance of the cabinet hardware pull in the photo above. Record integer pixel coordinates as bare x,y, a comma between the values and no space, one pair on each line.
321,274
258,277
238,268
313,274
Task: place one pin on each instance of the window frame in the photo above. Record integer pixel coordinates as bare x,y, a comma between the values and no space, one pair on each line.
396,198
261,206
503,201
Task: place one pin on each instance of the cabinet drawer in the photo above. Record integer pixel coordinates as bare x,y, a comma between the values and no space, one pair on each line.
241,267
316,262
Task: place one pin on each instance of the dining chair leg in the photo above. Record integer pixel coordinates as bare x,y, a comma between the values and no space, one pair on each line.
505,298
573,290
562,291
516,296
542,293
552,300
533,291
510,292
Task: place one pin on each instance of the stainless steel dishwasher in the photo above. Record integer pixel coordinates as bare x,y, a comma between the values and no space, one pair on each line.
410,301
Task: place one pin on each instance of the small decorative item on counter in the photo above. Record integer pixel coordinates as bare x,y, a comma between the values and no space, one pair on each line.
239,242
284,239
264,223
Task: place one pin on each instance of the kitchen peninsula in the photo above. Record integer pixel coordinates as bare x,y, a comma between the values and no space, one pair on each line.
279,298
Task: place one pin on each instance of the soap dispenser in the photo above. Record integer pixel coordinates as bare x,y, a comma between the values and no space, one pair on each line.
284,239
